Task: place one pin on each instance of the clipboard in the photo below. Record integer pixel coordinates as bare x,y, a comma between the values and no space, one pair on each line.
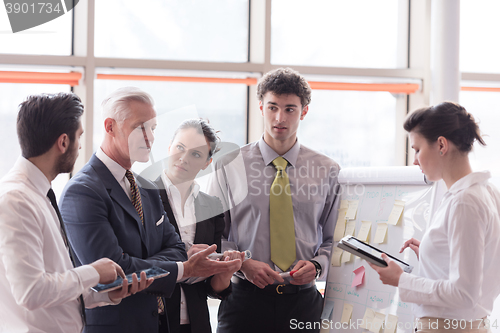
363,250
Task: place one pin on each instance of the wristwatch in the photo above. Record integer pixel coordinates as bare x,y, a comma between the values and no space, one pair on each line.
317,266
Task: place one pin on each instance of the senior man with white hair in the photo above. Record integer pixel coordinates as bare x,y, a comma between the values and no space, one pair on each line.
111,212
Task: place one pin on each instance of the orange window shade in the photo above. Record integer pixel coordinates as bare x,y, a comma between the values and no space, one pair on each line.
406,88
247,81
485,89
71,78
400,88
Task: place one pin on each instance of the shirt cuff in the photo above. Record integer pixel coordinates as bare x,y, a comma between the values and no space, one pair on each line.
404,286
88,275
104,298
180,271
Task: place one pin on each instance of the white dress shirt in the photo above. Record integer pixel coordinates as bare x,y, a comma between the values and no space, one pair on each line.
119,173
39,288
185,222
459,254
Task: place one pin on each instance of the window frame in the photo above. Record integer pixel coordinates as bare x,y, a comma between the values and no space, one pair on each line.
259,55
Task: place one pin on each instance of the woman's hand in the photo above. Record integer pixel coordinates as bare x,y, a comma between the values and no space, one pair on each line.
413,244
221,281
388,275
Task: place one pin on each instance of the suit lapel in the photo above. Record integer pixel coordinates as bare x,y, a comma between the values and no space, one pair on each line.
117,193
200,207
166,204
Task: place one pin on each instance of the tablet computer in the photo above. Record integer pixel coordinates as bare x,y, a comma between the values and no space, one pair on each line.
366,251
153,272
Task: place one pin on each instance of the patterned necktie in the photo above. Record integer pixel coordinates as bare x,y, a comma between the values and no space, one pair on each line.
52,198
281,222
136,195
136,201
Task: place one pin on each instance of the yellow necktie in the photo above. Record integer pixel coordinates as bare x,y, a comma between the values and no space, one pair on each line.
282,228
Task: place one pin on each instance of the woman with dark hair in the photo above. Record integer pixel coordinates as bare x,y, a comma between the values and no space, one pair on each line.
199,220
459,252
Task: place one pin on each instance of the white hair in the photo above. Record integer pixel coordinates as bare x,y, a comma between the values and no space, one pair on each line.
115,106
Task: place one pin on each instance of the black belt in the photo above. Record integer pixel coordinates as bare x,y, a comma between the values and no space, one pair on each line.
273,289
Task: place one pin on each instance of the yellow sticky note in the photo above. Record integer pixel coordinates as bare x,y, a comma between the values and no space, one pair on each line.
346,257
396,212
352,210
364,232
346,313
344,204
340,226
377,323
380,233
337,253
392,323
349,228
368,319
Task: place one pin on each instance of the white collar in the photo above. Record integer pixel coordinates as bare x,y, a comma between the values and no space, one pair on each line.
195,187
469,180
116,169
35,175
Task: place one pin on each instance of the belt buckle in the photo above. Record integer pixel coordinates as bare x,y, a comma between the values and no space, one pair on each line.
277,289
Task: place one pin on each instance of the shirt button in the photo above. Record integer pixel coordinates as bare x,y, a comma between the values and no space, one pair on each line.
155,313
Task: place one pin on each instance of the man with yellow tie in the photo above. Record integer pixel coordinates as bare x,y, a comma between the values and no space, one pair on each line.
286,219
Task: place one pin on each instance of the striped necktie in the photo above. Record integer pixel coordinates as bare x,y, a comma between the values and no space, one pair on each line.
136,195
137,203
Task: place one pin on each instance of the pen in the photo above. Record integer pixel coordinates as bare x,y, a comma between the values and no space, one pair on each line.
287,274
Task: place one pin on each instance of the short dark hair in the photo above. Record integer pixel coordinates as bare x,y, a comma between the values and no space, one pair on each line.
284,81
43,118
447,119
202,127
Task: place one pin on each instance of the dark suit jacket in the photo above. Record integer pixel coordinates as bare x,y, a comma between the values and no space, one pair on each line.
102,222
208,211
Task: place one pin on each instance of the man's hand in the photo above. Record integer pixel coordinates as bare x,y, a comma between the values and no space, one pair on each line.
388,275
195,248
200,266
259,273
108,270
413,244
222,280
306,272
127,290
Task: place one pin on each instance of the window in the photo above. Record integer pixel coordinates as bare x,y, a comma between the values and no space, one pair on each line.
355,33
354,128
224,105
209,30
479,26
11,95
485,107
51,38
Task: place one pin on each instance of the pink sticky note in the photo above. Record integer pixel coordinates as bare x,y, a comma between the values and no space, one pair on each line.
359,276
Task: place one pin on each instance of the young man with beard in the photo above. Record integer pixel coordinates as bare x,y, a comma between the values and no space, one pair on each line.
41,290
